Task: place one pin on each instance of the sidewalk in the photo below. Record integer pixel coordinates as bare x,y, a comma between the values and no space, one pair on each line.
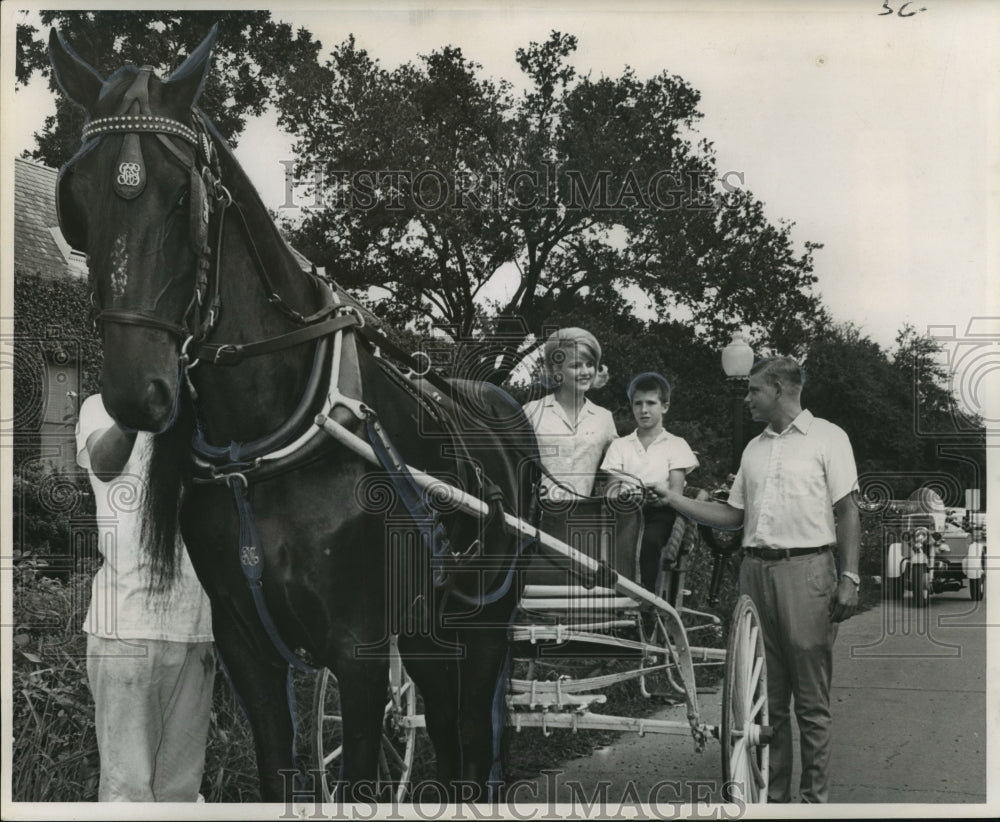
909,717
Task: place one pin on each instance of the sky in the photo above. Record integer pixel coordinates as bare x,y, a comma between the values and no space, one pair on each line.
874,133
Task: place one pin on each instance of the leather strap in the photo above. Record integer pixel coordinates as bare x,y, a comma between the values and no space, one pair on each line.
234,353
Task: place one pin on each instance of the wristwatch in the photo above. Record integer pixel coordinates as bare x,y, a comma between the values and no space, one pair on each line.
852,577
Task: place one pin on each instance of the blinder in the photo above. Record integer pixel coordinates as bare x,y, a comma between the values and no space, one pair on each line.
73,232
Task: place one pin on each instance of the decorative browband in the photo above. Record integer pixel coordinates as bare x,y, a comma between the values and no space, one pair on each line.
128,123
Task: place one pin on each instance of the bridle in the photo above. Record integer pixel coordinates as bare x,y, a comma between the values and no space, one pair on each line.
209,201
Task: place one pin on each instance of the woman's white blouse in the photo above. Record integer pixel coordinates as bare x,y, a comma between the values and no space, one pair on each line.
571,453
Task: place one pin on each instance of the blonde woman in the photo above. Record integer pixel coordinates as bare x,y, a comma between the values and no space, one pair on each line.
573,433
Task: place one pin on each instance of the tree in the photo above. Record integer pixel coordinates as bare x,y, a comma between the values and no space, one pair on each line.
252,56
897,407
432,186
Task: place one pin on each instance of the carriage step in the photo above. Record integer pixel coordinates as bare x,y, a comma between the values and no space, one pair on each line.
589,603
565,591
547,701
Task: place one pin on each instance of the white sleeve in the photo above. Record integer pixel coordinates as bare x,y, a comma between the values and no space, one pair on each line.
841,469
613,459
612,428
681,455
93,417
736,496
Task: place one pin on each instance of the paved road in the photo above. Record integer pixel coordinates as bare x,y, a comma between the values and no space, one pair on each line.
909,706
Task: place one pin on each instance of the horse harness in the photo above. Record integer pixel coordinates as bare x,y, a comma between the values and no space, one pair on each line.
298,441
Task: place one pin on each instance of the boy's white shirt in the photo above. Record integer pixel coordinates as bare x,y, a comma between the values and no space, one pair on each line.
652,463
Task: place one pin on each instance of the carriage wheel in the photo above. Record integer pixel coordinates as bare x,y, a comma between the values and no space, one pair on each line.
745,733
399,734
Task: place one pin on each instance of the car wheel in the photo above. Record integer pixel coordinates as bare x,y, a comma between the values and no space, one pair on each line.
893,588
918,581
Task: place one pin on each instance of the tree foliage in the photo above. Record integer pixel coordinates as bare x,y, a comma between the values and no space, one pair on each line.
252,56
453,200
896,406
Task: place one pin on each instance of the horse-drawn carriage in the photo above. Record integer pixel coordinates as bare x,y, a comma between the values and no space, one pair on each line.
288,457
567,630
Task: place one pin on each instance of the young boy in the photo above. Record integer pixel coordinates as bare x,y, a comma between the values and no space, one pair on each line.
653,457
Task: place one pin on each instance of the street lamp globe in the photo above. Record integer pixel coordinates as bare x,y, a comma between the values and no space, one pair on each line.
737,357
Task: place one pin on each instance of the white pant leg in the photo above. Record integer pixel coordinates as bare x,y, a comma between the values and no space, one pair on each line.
150,698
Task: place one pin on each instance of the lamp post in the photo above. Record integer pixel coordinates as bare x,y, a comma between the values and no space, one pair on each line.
737,360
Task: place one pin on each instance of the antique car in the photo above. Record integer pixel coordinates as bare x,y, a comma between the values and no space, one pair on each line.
930,552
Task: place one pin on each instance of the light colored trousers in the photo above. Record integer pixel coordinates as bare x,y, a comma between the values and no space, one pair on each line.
793,597
151,714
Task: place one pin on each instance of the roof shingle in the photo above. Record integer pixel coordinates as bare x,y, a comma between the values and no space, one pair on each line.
36,251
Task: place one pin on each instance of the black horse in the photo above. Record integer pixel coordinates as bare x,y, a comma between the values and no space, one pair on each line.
304,544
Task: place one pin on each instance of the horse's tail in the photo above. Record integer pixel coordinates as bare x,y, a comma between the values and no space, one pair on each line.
169,469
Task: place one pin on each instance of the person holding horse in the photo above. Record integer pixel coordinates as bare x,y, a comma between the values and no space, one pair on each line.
648,458
795,497
150,657
572,432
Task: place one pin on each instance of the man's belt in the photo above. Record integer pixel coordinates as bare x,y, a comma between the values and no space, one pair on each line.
761,552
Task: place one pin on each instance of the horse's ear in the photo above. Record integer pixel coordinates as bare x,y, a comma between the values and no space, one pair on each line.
189,78
79,82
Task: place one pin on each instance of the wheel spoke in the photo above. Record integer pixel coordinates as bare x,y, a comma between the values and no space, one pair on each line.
389,750
756,773
751,645
737,759
758,668
738,693
758,706
334,754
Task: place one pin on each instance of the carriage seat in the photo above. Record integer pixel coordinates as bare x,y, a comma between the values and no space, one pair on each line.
609,531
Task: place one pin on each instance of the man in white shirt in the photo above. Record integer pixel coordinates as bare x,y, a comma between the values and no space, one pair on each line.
150,659
795,496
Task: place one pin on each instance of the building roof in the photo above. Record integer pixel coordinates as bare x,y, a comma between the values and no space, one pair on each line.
39,247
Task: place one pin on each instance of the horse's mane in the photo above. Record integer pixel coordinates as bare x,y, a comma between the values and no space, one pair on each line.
170,465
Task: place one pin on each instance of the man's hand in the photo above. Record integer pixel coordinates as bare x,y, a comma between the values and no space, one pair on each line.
845,601
656,493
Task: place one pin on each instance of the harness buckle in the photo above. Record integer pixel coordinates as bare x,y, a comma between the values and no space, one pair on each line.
185,358
352,309
225,351
236,475
225,195
423,372
356,407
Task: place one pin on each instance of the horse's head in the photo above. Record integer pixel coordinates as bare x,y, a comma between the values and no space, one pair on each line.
134,199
